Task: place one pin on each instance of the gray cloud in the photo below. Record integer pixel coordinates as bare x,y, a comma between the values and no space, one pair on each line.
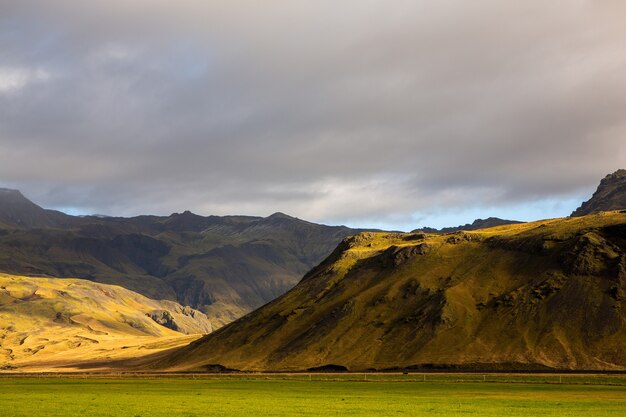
359,112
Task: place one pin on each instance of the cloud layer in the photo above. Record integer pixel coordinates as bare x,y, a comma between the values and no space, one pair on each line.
364,112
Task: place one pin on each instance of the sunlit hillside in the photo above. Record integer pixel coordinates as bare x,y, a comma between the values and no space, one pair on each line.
534,296
48,323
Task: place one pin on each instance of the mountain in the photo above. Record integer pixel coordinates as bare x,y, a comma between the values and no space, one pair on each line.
610,195
475,225
49,322
224,266
16,211
533,296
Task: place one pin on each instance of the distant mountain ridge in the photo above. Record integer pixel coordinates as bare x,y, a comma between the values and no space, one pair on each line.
225,266
610,195
475,225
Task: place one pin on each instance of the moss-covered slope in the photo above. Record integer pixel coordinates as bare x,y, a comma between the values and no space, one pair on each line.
527,296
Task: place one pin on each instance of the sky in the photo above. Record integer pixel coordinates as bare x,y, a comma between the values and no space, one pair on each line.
368,113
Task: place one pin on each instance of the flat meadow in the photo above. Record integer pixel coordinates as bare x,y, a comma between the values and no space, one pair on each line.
313,395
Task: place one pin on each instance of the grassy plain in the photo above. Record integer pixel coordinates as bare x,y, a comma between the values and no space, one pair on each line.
371,395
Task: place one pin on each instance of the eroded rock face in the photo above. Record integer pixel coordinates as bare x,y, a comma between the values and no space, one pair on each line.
182,319
458,237
395,256
164,318
592,255
610,195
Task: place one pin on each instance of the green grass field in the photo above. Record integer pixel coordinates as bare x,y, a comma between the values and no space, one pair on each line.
321,396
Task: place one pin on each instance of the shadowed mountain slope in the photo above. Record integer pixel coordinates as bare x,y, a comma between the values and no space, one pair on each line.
610,195
548,294
16,211
224,266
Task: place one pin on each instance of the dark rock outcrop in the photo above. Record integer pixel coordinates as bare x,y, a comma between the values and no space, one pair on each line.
164,318
610,195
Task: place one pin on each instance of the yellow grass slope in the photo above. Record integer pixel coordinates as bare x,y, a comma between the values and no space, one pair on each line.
68,324
548,294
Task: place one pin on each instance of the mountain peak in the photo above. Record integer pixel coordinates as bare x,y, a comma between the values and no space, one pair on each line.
617,176
280,215
610,195
186,213
10,193
18,211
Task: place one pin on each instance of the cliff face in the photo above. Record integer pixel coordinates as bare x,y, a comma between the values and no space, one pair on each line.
610,195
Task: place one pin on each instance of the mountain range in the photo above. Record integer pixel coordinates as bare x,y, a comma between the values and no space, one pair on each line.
223,266
494,294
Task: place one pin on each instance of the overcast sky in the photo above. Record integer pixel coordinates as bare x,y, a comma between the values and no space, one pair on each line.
395,114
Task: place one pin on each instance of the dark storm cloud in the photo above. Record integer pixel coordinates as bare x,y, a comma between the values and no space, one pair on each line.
358,111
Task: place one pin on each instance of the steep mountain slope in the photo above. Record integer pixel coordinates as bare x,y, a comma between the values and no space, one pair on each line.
475,225
16,211
610,195
47,321
548,294
225,266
